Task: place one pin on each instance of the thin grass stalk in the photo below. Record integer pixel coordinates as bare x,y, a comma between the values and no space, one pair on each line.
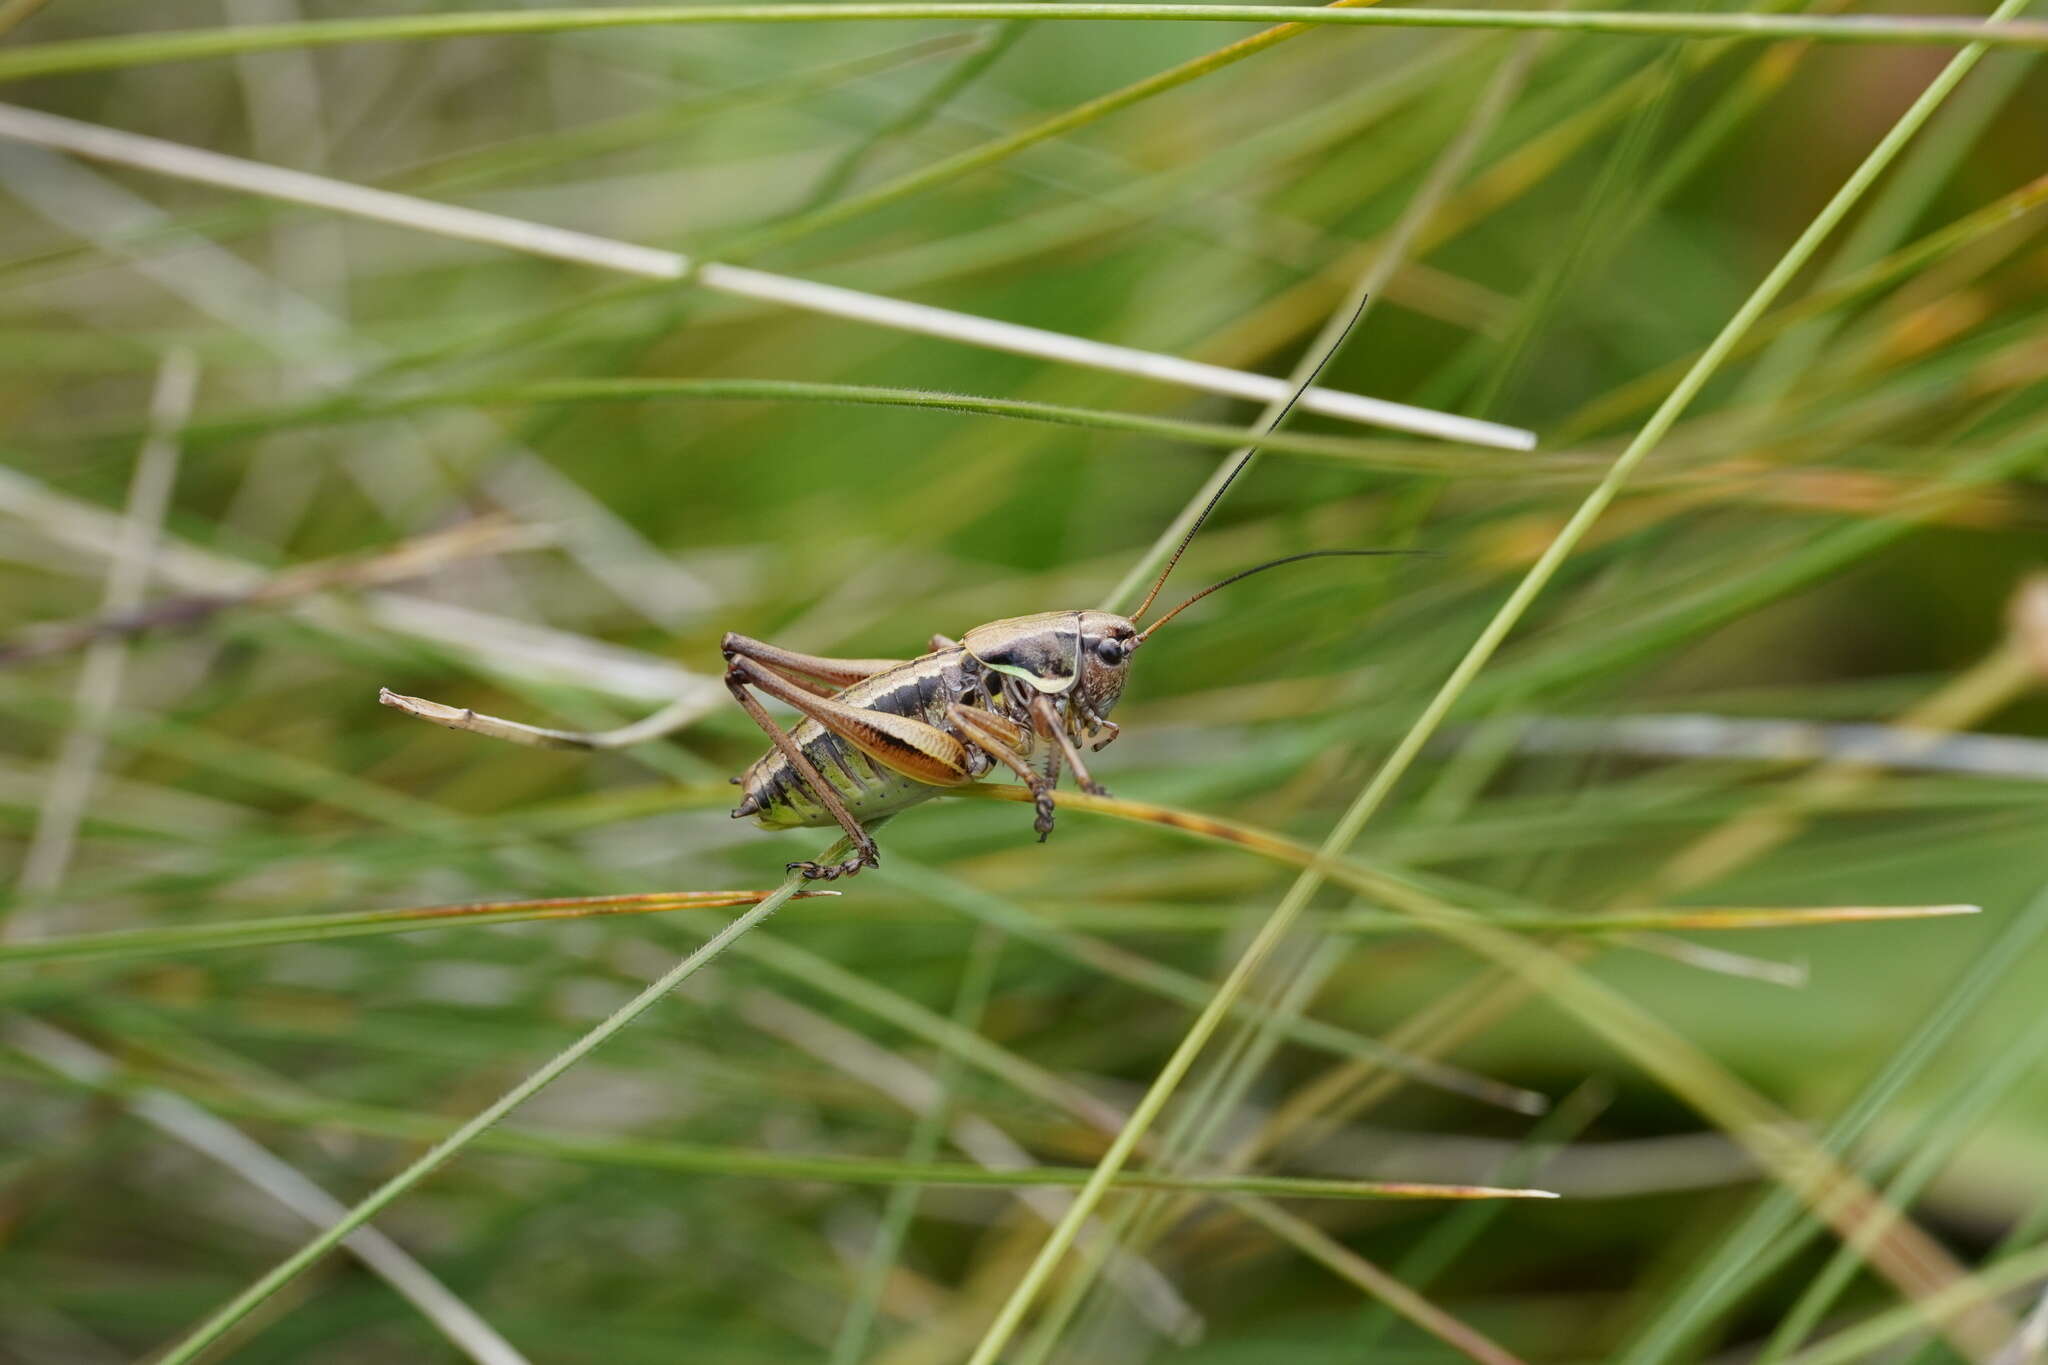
1186,988
990,48
1140,1221
1232,1072
1380,1285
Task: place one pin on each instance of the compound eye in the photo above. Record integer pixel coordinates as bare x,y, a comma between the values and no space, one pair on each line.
1110,651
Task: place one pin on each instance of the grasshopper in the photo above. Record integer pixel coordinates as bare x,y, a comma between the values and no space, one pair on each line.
879,735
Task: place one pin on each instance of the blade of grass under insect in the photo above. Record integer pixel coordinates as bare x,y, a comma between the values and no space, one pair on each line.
286,1271
1404,754
914,1088
115,53
512,234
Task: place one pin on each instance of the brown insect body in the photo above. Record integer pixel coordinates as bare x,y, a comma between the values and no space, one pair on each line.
1022,692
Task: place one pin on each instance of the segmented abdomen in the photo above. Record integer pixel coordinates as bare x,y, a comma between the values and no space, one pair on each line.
777,796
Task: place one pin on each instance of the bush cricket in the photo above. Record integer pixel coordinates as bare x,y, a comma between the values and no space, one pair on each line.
879,735
876,736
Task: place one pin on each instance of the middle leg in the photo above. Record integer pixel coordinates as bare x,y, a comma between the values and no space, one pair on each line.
1004,740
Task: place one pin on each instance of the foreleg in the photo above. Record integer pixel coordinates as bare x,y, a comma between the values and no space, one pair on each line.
1049,726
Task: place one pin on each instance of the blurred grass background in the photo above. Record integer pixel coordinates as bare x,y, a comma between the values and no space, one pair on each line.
1833,535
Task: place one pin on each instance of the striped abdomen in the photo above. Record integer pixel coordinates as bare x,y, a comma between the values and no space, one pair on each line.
776,795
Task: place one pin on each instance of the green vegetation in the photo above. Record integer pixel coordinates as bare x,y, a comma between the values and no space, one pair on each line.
1629,846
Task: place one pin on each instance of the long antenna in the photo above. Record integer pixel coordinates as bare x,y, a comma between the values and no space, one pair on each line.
1250,452
1261,568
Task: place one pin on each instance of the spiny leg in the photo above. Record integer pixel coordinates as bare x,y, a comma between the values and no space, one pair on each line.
1049,723
1001,738
865,854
